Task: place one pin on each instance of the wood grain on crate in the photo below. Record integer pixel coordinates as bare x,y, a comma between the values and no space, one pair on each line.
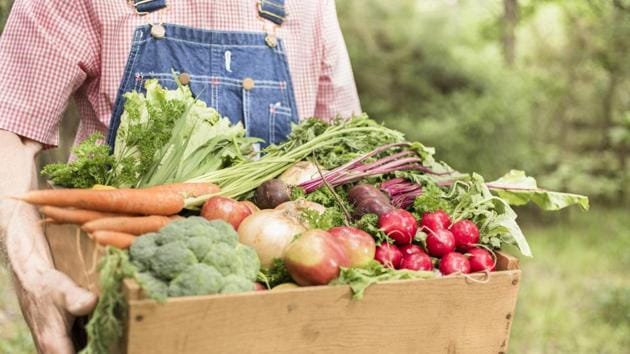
447,315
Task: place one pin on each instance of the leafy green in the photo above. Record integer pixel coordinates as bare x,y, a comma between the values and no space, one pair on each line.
431,199
369,224
276,274
90,166
518,189
331,217
360,279
106,324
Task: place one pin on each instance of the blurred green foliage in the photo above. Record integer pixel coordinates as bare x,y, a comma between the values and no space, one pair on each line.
561,110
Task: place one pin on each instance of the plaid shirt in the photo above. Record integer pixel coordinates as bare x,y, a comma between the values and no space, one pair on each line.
51,50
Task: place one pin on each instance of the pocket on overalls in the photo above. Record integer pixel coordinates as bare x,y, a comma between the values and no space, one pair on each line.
267,111
280,119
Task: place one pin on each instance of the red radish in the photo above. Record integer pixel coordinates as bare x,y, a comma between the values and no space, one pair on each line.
388,255
358,244
436,220
410,249
259,286
466,234
454,263
226,209
440,242
417,261
314,258
480,260
399,224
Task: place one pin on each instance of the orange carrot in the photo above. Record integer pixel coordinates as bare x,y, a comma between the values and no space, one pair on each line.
189,189
135,225
123,201
112,238
73,216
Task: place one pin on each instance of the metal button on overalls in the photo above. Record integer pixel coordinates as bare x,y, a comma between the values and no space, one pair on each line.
236,73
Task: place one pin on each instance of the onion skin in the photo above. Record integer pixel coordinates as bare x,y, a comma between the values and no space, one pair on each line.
269,232
299,173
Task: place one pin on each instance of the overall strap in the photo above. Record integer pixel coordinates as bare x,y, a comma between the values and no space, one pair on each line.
272,10
144,7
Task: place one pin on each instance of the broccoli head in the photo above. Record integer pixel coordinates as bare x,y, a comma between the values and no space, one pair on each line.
237,284
156,288
194,256
197,279
142,250
171,259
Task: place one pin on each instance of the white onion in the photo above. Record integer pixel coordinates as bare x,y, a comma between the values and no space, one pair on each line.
269,232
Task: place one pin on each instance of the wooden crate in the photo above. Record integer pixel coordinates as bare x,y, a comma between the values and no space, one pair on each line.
444,315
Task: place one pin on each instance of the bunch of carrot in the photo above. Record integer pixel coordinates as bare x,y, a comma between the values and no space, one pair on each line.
115,217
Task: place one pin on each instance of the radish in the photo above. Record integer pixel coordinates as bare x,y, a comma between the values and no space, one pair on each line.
480,260
410,249
436,220
466,234
399,224
417,261
440,242
388,255
454,263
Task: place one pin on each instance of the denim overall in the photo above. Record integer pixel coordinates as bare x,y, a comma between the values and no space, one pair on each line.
243,75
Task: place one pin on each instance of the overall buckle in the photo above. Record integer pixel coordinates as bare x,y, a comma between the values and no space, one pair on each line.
144,7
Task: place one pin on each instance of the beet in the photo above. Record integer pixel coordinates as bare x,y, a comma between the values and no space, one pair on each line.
271,194
454,263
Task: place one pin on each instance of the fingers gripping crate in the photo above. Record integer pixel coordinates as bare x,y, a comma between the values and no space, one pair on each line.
444,315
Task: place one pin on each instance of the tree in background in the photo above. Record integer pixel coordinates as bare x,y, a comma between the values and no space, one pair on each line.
539,85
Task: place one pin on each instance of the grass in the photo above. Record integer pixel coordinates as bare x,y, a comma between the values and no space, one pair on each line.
574,298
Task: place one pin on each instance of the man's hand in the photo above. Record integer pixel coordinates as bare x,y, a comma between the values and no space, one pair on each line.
48,298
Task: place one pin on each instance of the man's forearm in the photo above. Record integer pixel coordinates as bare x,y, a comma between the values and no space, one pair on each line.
21,236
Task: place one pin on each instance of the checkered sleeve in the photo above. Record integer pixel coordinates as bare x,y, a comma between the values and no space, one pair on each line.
47,51
337,92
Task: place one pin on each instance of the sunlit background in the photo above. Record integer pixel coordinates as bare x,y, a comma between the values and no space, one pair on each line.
539,85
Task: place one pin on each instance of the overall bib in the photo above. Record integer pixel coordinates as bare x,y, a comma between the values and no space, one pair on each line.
243,75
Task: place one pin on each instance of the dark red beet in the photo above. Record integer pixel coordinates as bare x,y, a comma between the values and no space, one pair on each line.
388,255
466,234
480,260
417,261
453,263
410,249
436,220
440,242
399,224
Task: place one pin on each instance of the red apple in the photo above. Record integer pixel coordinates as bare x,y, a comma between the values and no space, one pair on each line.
388,255
358,244
226,209
417,261
314,258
